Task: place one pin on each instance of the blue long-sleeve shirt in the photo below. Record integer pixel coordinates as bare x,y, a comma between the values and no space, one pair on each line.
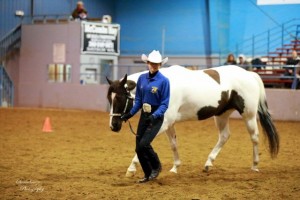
154,91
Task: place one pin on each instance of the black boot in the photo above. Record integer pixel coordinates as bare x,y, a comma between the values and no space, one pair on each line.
144,180
155,172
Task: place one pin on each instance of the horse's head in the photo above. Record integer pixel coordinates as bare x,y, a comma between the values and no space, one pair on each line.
120,101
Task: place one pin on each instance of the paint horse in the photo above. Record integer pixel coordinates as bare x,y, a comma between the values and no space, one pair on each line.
198,95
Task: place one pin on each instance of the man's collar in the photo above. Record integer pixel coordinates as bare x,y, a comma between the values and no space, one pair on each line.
154,77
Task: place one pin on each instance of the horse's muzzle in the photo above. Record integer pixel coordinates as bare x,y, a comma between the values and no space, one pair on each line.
115,129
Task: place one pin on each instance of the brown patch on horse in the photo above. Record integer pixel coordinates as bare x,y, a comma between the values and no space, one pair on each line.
213,74
234,101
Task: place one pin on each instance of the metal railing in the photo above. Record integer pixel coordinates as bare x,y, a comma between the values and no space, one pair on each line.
99,74
263,43
290,73
47,18
10,42
52,18
6,89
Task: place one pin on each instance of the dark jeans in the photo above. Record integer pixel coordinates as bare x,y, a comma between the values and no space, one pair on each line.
145,134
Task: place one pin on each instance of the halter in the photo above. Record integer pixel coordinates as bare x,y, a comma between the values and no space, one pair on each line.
128,97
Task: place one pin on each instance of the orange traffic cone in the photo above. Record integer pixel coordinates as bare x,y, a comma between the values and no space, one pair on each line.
47,125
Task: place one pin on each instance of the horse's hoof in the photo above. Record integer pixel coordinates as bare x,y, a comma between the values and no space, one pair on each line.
255,169
206,169
173,170
130,174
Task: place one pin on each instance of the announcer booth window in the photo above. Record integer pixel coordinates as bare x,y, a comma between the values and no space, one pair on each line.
59,73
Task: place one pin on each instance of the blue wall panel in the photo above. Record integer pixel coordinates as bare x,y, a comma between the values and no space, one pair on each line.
142,23
8,20
42,7
248,20
185,22
244,20
231,22
220,25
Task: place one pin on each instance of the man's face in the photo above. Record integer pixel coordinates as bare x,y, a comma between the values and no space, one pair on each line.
294,54
153,67
241,59
80,6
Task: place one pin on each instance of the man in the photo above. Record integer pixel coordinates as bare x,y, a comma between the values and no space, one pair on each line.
243,62
294,60
152,94
79,12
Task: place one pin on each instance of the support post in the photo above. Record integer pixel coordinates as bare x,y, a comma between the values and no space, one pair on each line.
253,45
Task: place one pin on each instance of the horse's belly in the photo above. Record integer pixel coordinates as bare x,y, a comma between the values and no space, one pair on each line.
199,103
187,112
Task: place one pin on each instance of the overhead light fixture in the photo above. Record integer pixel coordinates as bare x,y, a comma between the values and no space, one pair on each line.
19,13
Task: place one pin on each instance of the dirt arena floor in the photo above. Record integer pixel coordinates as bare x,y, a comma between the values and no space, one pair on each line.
83,159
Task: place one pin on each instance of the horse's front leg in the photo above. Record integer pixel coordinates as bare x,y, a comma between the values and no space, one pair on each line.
132,168
172,139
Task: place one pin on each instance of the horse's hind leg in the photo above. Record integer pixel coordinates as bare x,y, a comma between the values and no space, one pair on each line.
251,124
224,133
172,139
132,168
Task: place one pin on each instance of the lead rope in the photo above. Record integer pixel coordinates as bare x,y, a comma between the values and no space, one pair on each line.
131,129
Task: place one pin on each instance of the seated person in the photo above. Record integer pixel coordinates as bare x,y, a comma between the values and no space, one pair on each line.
257,63
244,63
294,60
79,12
230,60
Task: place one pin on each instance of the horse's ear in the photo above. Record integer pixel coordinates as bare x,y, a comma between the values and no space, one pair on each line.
124,80
109,81
130,85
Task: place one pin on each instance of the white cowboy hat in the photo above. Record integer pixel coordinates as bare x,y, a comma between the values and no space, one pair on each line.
154,57
242,56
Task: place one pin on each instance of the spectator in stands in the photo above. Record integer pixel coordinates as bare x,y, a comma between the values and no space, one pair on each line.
257,63
79,12
244,63
294,60
230,60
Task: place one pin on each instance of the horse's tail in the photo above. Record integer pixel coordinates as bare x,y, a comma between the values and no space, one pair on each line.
266,122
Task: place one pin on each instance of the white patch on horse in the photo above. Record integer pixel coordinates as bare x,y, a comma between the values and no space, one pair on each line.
113,95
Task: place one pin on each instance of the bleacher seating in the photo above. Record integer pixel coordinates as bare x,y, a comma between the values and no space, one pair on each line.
274,77
281,54
275,74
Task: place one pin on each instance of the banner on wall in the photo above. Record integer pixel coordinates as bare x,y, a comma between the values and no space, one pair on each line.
276,2
98,38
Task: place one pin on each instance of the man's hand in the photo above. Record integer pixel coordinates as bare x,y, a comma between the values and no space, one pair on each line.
126,116
150,119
